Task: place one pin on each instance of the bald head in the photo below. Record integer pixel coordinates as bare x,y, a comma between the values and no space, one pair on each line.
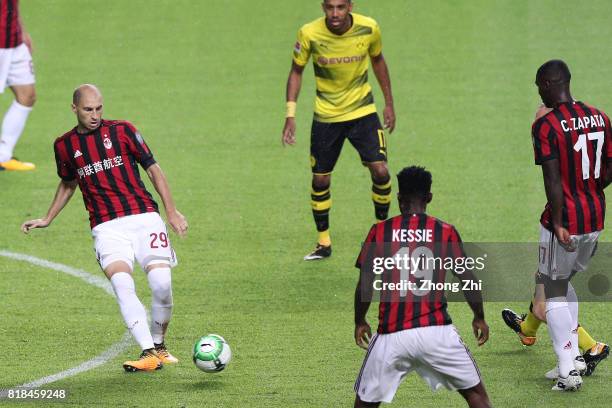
88,107
85,89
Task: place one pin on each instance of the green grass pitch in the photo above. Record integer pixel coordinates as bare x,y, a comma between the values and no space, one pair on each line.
204,82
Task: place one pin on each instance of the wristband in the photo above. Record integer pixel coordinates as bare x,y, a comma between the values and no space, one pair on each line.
291,107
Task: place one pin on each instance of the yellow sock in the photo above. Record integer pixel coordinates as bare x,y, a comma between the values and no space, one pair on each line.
530,325
585,341
324,238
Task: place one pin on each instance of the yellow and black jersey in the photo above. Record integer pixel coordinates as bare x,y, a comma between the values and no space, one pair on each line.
340,67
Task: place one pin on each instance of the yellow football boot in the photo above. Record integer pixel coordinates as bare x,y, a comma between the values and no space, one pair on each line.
16,165
148,361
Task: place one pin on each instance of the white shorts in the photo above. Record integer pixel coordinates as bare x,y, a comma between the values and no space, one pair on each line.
556,263
436,353
16,67
141,236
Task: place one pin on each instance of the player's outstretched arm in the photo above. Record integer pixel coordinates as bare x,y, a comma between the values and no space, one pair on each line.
294,83
379,66
474,298
63,194
176,220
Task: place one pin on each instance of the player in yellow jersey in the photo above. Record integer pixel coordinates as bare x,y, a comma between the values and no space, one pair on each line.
341,43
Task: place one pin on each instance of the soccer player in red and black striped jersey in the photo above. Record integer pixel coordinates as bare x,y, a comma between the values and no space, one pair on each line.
526,326
16,72
572,143
101,157
415,331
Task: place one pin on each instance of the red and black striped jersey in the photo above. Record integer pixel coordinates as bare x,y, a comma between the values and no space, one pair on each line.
11,35
104,162
411,234
578,136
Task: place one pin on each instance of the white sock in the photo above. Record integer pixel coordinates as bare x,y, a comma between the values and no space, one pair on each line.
572,303
160,282
559,322
133,312
12,127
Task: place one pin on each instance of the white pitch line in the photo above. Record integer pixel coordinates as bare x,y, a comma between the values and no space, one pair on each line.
112,352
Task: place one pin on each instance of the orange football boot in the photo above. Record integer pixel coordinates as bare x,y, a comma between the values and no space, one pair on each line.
164,355
148,361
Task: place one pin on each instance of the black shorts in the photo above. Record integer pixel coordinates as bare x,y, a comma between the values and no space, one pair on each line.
326,140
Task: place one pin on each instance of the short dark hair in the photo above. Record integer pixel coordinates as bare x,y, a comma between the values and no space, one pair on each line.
555,72
414,181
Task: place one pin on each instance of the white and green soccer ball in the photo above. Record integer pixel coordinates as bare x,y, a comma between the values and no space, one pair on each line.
211,353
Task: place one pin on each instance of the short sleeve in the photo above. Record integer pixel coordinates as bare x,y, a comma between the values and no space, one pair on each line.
301,50
366,248
544,141
65,170
375,42
138,147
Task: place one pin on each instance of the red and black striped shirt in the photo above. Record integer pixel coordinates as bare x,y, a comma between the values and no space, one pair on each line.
104,162
11,35
578,136
411,308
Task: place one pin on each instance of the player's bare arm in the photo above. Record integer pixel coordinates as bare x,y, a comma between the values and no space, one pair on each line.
363,332
554,194
294,83
474,299
379,66
176,220
63,194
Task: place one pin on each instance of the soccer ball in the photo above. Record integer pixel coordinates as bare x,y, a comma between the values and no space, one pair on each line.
211,353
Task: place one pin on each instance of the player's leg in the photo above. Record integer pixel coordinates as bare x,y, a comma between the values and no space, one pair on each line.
594,356
134,316
20,78
367,136
381,189
153,251
476,397
578,361
594,352
387,362
555,268
321,202
526,325
447,362
160,282
560,326
115,254
326,142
